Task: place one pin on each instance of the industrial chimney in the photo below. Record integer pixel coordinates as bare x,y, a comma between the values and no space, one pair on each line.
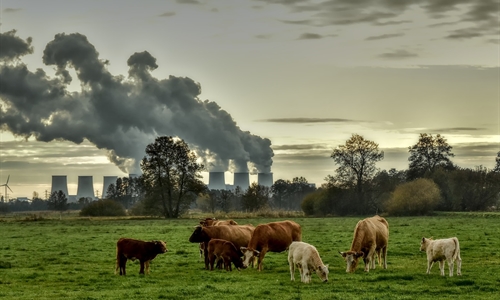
216,181
59,183
242,180
85,187
107,181
265,179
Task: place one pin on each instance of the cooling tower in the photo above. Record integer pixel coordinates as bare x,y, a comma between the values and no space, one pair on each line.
216,181
59,183
265,179
85,187
242,180
107,181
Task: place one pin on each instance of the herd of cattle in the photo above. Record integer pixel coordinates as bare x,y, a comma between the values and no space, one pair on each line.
224,243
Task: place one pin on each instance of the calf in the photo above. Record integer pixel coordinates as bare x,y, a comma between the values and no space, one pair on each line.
226,251
307,259
441,250
213,222
136,249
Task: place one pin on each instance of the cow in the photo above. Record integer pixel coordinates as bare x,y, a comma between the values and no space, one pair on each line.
213,222
306,257
225,251
136,249
441,250
273,237
371,236
239,235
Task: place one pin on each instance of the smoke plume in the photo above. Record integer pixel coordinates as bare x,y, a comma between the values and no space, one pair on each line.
117,113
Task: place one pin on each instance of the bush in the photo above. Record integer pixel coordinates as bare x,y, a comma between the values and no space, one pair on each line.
104,207
418,197
307,204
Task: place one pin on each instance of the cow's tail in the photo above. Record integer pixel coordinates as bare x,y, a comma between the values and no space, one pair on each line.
117,261
457,248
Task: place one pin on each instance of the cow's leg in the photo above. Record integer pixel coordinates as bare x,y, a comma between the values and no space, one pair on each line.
305,273
211,260
384,256
368,258
141,271
441,267
459,265
450,266
292,268
261,258
205,250
122,262
429,266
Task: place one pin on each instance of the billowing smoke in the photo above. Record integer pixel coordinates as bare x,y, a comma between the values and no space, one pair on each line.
117,113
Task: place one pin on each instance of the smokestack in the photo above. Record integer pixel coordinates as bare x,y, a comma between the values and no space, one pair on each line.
59,183
242,180
107,181
216,181
265,179
85,187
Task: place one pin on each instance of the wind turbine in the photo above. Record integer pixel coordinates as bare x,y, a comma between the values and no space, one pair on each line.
7,187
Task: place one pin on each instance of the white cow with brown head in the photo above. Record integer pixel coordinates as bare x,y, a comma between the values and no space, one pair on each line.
441,250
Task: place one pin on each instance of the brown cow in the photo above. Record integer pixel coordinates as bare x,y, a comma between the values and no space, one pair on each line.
274,237
136,249
239,235
226,251
371,236
213,222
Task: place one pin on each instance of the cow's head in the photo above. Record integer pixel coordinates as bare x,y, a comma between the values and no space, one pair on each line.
197,236
424,243
207,221
160,246
238,263
322,272
351,259
248,255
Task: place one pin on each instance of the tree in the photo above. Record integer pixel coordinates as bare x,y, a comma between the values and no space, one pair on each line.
497,163
280,190
171,176
356,160
255,197
58,202
427,154
418,197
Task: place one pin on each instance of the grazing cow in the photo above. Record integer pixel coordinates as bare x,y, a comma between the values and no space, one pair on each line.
239,235
307,259
226,251
136,249
371,236
274,237
213,222
441,250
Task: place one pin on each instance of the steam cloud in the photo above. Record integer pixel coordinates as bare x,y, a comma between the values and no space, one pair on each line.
119,114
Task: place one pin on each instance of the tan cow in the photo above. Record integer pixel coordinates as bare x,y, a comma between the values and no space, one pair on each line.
307,259
441,250
239,235
371,236
225,251
135,249
274,237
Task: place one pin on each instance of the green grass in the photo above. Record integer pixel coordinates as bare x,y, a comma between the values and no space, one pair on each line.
74,258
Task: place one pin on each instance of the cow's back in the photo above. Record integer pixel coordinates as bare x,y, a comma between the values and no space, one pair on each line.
276,236
239,235
369,231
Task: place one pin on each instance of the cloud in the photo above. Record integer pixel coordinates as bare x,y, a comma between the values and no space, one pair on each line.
310,36
167,14
196,2
383,36
301,147
11,10
118,114
398,54
307,120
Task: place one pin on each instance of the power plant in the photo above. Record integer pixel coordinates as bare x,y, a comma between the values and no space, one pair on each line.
85,187
265,179
59,183
107,181
216,181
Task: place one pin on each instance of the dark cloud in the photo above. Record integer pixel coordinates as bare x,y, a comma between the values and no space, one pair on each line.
308,120
301,147
13,47
188,2
167,14
11,10
121,115
383,36
398,54
310,36
455,129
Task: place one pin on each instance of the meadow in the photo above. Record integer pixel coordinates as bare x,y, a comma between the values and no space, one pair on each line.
74,258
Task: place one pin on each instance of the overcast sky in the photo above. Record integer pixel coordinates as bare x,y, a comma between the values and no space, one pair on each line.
286,81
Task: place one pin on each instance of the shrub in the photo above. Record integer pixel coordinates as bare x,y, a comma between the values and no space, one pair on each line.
104,207
418,197
307,204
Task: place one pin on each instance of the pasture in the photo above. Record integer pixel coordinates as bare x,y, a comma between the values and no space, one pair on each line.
74,258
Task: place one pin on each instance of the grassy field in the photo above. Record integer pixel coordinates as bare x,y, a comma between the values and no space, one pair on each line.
74,258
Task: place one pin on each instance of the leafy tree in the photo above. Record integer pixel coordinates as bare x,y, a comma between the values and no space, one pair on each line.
171,176
280,191
475,189
497,163
225,200
356,160
427,154
256,197
288,194
58,202
418,197
38,204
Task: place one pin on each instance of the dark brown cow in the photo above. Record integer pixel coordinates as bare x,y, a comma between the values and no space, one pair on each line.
371,236
274,237
226,251
239,235
136,249
213,222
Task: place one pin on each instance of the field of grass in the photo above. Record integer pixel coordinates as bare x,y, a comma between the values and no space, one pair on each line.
74,258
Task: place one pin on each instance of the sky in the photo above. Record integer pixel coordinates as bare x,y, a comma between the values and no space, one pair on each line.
255,85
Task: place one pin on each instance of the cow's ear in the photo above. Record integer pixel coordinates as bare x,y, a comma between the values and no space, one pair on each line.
359,254
243,248
343,254
256,253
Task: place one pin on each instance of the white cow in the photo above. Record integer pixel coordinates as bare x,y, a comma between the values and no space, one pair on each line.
441,250
307,259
